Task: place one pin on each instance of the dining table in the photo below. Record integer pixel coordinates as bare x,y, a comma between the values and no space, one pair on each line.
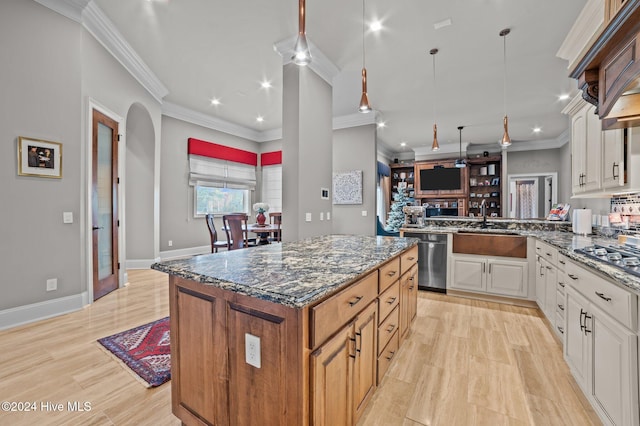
263,231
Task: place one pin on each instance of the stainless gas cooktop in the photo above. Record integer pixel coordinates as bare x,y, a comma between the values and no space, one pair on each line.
623,257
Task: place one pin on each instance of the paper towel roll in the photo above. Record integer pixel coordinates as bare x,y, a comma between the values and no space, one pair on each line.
582,221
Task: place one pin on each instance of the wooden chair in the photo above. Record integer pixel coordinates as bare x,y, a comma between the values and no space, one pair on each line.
215,244
276,219
235,226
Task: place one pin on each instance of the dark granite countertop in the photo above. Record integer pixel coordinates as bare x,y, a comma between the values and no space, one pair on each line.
294,274
565,241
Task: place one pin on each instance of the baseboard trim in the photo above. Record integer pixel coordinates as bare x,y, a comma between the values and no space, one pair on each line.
20,315
492,298
176,254
140,263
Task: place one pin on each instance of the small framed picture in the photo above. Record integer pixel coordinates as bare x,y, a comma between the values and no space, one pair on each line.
37,157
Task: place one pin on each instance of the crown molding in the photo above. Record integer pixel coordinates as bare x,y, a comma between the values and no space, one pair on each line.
587,26
71,9
194,117
574,105
101,27
353,120
320,63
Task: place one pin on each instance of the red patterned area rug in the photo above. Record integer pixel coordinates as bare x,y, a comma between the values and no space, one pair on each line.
145,350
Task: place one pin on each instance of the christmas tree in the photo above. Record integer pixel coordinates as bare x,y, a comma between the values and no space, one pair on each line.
396,215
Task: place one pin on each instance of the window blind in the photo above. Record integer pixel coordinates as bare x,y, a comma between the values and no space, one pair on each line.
272,187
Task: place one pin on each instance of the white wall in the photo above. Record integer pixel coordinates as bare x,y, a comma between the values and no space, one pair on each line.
355,149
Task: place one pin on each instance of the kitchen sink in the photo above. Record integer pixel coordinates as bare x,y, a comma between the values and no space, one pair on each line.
491,243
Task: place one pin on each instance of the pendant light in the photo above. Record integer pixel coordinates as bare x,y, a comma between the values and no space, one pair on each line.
364,99
506,140
460,162
301,55
434,145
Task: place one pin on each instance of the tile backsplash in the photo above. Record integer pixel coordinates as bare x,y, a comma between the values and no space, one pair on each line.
628,206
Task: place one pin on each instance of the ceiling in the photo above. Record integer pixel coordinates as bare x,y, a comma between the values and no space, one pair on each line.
205,49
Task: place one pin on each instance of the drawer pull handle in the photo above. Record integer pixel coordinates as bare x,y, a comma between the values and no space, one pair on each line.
391,273
560,329
562,262
391,300
602,296
355,302
411,258
411,288
548,267
573,277
561,307
561,284
548,254
391,354
391,328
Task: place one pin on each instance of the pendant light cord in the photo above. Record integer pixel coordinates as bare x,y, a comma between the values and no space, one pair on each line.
434,85
363,33
504,55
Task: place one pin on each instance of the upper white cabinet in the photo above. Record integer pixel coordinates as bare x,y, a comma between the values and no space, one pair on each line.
597,157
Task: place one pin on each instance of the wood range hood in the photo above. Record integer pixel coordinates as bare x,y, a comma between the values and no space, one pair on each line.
609,72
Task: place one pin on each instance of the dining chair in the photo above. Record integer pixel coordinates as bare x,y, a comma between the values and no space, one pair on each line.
276,219
213,233
235,226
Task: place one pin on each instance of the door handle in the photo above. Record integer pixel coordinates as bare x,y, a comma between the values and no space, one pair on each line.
582,326
95,228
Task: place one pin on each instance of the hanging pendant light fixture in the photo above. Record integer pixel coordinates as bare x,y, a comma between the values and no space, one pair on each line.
506,140
434,145
301,55
460,162
364,99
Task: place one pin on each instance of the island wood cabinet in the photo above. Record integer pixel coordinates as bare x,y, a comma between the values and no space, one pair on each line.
601,344
317,365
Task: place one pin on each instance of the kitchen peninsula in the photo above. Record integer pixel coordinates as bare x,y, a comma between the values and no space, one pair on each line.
293,333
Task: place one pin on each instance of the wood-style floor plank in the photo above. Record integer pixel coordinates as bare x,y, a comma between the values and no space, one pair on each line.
464,362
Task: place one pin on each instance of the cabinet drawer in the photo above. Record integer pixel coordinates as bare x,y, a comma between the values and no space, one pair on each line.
388,301
562,261
388,328
547,252
387,355
332,314
560,304
389,273
408,259
559,329
617,302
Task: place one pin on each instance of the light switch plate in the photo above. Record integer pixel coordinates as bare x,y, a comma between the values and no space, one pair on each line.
364,212
67,217
308,217
321,215
328,215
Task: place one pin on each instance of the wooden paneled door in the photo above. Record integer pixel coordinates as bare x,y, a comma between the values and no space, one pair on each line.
104,204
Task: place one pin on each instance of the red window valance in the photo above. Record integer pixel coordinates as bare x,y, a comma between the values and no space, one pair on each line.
221,152
271,158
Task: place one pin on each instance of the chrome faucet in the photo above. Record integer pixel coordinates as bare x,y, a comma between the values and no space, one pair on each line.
483,212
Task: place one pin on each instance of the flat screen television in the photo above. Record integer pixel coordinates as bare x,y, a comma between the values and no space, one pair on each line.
440,178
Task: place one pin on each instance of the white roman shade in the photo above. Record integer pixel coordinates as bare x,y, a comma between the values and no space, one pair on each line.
204,171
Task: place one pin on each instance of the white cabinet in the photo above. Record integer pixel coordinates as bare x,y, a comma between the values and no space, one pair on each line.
597,157
547,281
602,352
493,275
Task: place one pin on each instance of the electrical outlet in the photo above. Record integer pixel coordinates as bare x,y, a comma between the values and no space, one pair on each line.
252,349
170,243
67,217
364,212
52,284
328,215
308,217
321,215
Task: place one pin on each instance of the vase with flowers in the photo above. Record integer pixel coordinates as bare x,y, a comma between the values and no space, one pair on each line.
260,208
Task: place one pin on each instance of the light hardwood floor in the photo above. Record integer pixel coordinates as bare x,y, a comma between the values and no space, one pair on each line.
464,363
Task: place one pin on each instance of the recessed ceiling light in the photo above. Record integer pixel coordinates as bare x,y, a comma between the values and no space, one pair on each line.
215,101
260,119
537,130
442,24
563,97
382,124
266,84
375,26
403,144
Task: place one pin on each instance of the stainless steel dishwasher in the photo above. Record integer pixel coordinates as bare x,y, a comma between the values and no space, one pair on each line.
432,261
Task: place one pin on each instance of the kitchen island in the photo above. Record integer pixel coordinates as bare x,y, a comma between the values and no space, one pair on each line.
292,333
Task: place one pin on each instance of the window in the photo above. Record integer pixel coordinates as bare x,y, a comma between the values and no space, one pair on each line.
209,199
272,187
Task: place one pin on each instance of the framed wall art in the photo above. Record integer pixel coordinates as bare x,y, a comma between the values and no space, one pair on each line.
347,187
37,157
